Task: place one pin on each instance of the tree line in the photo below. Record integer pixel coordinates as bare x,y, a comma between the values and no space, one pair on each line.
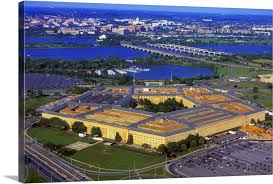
167,106
173,148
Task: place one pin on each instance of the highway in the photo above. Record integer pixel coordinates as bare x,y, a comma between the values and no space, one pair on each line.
50,165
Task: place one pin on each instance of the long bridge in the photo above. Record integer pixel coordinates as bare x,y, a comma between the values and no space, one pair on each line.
176,50
171,51
189,50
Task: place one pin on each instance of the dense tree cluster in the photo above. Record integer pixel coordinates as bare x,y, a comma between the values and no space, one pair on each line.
36,45
94,64
96,131
83,69
169,105
60,149
130,139
54,122
118,138
192,141
77,90
79,127
267,122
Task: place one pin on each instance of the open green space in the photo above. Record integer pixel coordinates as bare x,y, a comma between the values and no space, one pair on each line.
266,61
34,103
264,99
237,71
252,84
55,136
116,158
100,155
33,176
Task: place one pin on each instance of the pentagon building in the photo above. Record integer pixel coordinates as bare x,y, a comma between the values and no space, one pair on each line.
208,112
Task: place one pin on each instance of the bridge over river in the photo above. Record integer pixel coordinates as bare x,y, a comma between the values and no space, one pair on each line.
184,51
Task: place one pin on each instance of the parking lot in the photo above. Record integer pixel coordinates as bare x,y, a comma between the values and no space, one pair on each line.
235,159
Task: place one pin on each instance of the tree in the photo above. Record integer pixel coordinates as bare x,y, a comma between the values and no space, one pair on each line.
146,146
193,144
147,102
66,151
252,121
130,139
118,138
99,132
172,147
79,127
183,147
95,131
201,141
268,117
58,123
133,103
161,149
43,122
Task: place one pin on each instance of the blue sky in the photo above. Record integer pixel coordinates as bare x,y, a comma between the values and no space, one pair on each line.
149,8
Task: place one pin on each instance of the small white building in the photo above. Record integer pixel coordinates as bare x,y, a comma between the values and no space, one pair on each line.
82,134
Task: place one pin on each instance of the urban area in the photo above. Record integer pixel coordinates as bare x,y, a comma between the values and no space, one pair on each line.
120,92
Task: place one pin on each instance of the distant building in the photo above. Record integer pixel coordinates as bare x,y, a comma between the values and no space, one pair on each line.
268,78
154,83
70,31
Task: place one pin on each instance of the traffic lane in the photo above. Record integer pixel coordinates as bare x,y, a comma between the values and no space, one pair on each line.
43,169
50,163
65,165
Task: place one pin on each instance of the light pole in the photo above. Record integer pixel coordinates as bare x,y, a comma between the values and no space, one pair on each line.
99,173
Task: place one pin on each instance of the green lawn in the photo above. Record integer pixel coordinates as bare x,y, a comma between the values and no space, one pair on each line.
111,157
37,102
252,84
221,70
266,61
264,99
238,71
55,136
34,177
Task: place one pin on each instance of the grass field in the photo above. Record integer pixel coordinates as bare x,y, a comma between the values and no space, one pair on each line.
230,85
33,176
55,136
37,102
238,71
264,99
116,158
109,157
266,61
252,84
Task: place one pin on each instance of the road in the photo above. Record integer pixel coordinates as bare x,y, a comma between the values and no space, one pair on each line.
52,166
